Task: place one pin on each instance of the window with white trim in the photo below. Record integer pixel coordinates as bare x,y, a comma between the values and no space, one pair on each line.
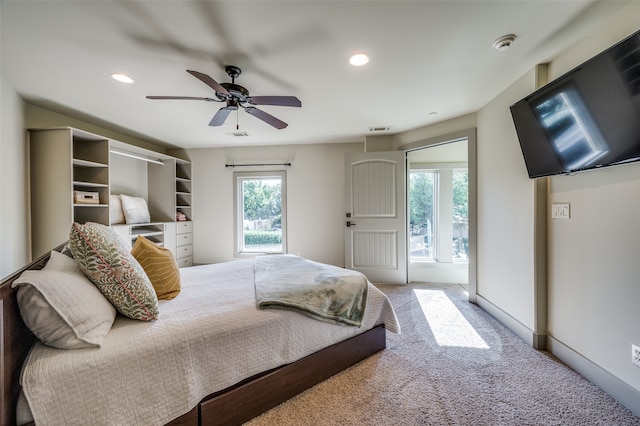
260,212
438,213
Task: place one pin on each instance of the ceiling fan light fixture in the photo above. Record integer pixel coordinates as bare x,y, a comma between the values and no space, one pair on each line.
235,97
122,78
358,59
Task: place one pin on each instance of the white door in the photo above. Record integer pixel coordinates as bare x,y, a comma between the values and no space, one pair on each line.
375,222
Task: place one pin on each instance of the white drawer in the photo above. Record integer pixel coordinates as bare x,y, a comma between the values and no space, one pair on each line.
184,251
185,261
184,239
184,227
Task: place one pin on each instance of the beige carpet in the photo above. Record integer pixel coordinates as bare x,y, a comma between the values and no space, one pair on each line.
453,364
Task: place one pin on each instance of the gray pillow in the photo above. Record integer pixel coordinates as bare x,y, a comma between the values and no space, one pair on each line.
62,307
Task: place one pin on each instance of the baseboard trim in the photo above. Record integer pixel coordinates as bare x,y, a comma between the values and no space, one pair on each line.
518,328
613,386
619,390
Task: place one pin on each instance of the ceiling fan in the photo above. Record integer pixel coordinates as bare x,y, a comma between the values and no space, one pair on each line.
236,96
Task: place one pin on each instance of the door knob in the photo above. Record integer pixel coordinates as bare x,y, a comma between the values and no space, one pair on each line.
350,224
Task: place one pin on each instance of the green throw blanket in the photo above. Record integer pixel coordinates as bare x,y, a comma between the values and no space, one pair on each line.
326,292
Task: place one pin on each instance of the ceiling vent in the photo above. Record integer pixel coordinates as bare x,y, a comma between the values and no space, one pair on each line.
238,134
380,129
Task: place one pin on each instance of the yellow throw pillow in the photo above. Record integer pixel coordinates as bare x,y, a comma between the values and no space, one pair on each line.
160,266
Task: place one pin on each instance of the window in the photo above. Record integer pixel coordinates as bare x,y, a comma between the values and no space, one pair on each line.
438,213
460,219
260,201
421,213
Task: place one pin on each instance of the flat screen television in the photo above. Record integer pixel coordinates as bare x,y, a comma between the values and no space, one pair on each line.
585,119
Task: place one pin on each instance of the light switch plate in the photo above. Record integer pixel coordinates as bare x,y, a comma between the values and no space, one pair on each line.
560,211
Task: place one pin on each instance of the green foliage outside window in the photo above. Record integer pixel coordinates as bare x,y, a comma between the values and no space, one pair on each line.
261,238
262,201
461,197
262,208
421,196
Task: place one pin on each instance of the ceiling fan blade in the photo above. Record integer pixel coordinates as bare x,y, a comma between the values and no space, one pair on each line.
221,116
267,118
187,98
290,101
209,82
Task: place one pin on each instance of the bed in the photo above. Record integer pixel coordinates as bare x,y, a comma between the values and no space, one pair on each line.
250,366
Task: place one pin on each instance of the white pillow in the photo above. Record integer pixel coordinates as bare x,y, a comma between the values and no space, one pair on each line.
115,210
62,307
135,209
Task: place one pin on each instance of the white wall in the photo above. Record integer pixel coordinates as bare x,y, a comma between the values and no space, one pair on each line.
14,223
37,117
464,122
128,176
594,285
505,209
315,198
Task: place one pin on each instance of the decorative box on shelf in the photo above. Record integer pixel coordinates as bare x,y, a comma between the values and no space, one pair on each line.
85,197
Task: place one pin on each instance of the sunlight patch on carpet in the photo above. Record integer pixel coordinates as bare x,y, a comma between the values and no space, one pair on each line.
448,325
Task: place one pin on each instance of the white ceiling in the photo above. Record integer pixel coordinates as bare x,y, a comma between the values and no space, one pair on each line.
430,61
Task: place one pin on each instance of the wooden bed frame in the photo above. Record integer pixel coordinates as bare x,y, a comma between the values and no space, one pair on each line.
232,406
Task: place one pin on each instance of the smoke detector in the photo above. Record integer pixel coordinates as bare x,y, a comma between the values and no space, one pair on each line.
504,42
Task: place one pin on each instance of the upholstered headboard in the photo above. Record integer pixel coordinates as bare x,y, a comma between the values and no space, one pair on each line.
15,341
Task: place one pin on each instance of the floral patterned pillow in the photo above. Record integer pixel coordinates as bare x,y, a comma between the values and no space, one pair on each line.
105,260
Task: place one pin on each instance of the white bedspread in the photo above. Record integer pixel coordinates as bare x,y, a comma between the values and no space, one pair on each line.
207,339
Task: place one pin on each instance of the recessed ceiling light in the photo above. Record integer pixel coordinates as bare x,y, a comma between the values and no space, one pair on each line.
122,78
358,59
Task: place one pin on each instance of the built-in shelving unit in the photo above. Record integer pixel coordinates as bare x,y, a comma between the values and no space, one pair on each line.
62,161
183,188
155,232
184,228
90,174
73,173
184,243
